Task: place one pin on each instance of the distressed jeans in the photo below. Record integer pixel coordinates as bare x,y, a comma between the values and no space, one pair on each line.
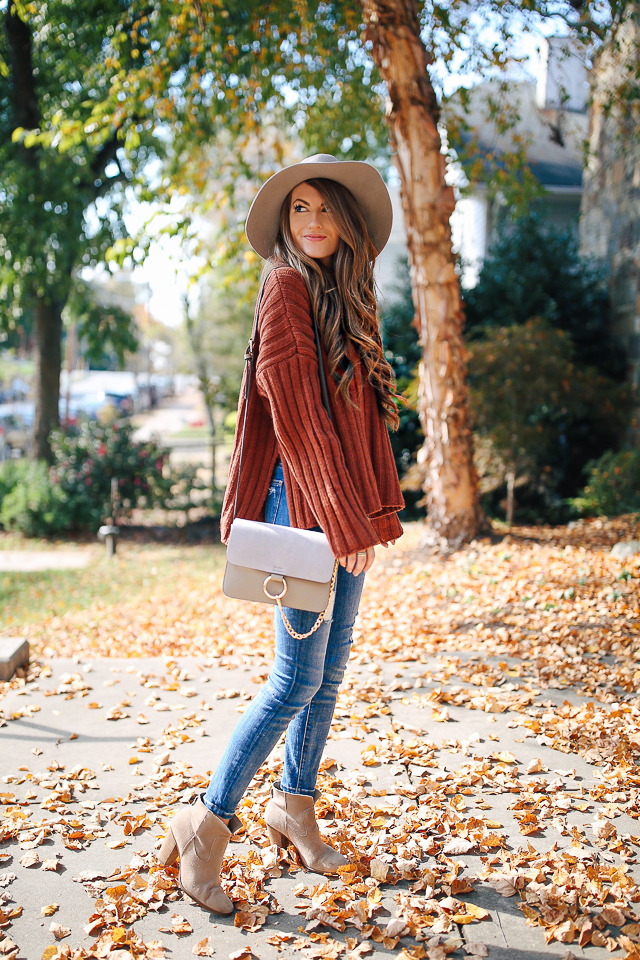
299,695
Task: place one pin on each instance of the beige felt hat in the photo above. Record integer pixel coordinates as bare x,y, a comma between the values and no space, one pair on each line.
362,179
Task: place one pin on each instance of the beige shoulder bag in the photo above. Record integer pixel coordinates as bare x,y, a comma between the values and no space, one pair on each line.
267,562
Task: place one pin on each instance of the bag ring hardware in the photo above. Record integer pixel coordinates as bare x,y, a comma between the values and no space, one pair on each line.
272,596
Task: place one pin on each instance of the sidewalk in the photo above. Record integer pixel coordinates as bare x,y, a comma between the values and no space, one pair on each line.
470,834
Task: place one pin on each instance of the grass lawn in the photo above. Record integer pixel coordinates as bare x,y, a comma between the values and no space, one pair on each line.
138,571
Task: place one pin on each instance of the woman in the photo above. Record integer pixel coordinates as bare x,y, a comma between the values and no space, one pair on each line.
319,224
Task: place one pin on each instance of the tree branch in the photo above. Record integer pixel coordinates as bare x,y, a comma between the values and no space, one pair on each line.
106,184
107,152
588,24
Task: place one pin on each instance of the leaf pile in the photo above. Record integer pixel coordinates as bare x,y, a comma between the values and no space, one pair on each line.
497,629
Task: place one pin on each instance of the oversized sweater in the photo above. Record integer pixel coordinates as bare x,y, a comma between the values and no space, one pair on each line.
339,473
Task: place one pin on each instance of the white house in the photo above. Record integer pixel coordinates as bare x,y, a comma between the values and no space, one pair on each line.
552,121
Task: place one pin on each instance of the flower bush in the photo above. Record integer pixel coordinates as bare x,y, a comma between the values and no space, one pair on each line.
86,460
75,492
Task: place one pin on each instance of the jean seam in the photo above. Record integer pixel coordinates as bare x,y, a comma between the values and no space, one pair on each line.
277,495
275,515
304,740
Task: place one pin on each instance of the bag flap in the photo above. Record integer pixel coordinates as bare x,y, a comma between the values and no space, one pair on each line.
304,554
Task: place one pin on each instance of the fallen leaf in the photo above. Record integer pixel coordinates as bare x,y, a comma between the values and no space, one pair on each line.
396,927
202,949
58,930
613,915
503,886
180,925
379,870
29,860
458,845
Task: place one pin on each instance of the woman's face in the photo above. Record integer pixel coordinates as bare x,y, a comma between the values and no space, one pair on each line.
311,224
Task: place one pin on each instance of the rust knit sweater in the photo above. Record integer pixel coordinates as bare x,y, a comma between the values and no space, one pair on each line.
339,474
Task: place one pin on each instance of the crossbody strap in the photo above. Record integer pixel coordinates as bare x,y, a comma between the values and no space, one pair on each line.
250,356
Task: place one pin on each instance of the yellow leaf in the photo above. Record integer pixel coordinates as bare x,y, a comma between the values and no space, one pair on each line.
478,912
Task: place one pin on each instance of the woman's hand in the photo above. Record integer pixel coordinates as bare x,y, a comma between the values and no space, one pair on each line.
360,562
390,543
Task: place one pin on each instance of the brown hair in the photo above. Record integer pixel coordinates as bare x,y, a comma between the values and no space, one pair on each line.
343,296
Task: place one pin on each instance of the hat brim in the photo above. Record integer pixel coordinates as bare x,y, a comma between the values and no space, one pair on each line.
360,178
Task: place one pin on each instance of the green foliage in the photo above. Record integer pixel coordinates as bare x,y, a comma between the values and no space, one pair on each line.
86,460
613,486
549,398
256,72
217,332
30,503
63,180
104,329
535,270
75,493
565,411
534,404
402,350
505,170
12,472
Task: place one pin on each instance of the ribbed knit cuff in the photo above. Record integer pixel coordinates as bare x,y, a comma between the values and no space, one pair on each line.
387,527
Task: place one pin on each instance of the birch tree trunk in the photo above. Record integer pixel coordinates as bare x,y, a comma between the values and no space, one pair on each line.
454,513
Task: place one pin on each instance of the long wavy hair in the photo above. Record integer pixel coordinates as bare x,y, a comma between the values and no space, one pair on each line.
343,296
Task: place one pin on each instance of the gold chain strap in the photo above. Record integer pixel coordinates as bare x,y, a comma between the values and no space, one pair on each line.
304,636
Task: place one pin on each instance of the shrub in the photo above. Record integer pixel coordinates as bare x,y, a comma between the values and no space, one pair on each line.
34,506
534,269
88,458
575,406
531,407
12,472
614,485
75,493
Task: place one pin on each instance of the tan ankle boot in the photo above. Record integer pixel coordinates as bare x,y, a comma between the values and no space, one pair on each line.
200,839
291,818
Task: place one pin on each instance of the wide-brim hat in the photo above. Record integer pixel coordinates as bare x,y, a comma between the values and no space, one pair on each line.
361,179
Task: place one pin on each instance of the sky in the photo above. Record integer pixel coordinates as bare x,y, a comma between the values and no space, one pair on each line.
163,281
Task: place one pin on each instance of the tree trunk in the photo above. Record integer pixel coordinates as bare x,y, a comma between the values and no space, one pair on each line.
204,380
454,513
211,420
48,333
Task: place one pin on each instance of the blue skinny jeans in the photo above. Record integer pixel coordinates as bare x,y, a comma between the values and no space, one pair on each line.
299,695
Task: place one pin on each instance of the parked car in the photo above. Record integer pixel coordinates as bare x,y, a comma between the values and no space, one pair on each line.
16,420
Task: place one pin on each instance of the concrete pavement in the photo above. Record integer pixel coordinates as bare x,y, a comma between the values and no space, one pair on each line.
96,746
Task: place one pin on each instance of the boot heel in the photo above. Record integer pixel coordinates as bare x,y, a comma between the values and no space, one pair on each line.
168,852
278,838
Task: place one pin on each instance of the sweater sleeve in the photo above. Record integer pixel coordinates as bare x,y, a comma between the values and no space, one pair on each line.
287,377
